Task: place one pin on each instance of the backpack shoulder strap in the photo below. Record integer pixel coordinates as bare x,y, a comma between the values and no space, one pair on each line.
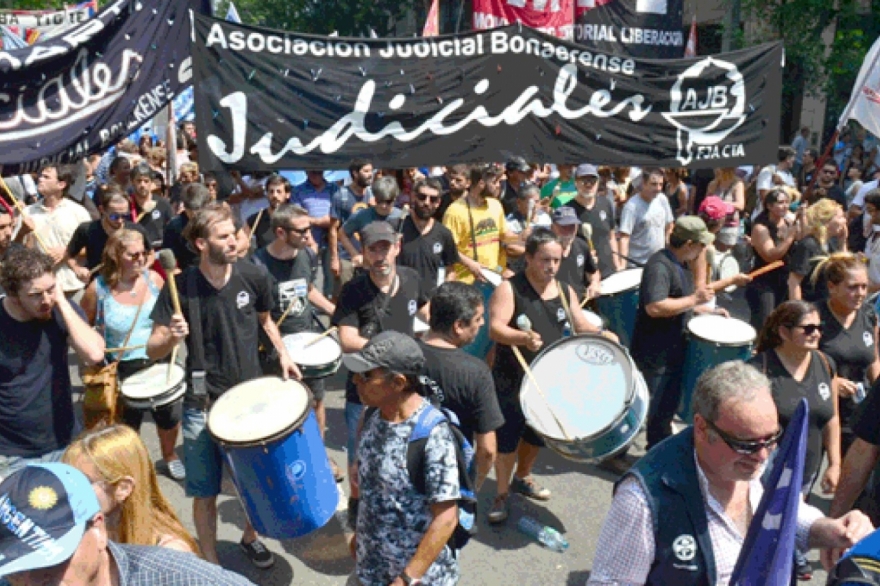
427,420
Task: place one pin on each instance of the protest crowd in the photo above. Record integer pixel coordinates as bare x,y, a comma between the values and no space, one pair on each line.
484,316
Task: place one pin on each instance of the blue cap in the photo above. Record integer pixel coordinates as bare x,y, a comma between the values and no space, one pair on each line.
44,509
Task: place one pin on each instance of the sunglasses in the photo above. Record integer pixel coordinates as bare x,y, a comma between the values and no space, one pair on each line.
117,217
384,202
810,329
138,255
743,447
588,180
300,231
431,198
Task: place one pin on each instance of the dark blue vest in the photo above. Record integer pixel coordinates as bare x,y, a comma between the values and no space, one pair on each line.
682,547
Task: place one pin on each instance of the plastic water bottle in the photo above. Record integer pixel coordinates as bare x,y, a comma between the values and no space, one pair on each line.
547,536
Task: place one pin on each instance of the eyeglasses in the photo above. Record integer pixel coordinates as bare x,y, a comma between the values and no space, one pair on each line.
746,447
117,217
810,329
431,198
300,231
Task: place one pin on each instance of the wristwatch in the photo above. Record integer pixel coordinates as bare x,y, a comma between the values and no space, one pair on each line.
410,581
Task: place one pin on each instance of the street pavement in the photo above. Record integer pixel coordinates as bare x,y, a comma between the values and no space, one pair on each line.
497,555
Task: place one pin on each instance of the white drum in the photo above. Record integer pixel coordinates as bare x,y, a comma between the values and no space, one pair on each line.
593,318
494,278
151,388
319,360
420,328
726,266
621,281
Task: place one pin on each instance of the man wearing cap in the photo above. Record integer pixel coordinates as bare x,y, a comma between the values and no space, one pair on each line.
561,190
646,220
667,299
578,267
53,532
518,171
384,297
385,192
597,217
528,214
402,534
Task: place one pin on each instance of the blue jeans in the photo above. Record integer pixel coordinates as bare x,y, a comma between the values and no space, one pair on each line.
202,456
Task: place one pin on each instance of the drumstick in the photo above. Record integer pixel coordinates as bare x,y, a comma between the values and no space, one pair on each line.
766,269
257,222
523,323
20,207
314,341
125,348
96,269
169,263
586,298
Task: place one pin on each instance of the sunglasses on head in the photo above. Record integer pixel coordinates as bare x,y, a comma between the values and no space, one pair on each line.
431,198
746,447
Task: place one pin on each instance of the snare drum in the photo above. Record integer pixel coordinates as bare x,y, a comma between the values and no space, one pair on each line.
592,386
594,318
481,344
321,359
619,302
270,437
150,387
420,328
711,340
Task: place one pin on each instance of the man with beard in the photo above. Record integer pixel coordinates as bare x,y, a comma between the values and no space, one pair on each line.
428,246
234,301
348,201
456,182
458,381
537,294
277,193
826,186
577,268
194,197
92,236
38,325
518,172
383,297
150,213
7,225
598,214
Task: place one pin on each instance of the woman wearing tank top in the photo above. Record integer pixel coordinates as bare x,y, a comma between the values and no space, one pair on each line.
111,304
849,334
730,188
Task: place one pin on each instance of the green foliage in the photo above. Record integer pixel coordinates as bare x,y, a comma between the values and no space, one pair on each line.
33,4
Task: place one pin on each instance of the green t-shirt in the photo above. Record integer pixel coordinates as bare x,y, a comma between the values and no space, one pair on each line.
565,193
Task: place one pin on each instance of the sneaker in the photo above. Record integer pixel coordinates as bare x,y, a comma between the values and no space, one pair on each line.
176,469
257,553
803,569
500,509
528,487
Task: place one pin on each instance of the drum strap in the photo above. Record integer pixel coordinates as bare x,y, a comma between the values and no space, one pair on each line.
197,349
563,296
137,314
473,229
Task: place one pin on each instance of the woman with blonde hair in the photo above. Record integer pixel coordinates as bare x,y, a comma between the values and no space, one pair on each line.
824,227
119,302
117,463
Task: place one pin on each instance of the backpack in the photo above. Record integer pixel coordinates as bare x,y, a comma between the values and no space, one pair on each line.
429,418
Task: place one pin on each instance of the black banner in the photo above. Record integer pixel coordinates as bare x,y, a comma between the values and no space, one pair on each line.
82,91
651,29
275,100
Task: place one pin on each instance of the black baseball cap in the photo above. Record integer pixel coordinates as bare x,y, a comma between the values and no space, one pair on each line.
391,350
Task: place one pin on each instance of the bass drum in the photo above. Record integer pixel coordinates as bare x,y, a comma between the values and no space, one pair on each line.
591,385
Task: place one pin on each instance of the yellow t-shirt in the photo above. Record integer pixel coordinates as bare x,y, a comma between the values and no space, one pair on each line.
489,225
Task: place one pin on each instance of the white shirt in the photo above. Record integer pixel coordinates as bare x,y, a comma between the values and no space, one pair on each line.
56,228
859,199
625,549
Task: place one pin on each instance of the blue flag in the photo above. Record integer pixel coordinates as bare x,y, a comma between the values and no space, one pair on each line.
767,554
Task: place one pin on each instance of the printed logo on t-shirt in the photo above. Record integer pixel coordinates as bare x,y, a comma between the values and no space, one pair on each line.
602,215
412,307
560,314
291,294
156,214
824,391
438,248
685,547
242,299
868,338
580,260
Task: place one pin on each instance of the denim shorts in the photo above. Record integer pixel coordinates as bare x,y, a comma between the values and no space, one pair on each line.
352,419
202,456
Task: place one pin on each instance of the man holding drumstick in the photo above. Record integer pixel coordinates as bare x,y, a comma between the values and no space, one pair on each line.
233,300
536,295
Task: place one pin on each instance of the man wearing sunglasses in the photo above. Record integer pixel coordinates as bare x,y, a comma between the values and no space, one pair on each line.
681,514
427,246
91,237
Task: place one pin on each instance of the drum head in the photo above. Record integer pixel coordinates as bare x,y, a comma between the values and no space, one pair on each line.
494,278
593,318
722,330
587,381
324,351
419,326
151,382
621,281
258,410
728,266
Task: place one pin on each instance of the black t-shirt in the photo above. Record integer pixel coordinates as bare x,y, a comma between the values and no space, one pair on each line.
464,385
92,237
173,240
36,409
601,219
364,306
577,266
427,253
290,286
835,193
802,260
154,221
787,393
229,322
851,349
659,341
263,231
864,424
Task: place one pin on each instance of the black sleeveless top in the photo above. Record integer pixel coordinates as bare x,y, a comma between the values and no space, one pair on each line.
548,319
778,279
